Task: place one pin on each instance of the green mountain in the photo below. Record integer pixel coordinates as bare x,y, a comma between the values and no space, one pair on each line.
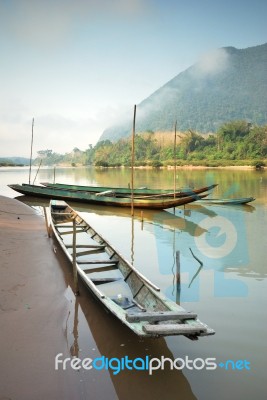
228,84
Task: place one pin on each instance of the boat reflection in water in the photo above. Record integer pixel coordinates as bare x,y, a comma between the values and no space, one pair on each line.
92,333
214,236
218,246
167,219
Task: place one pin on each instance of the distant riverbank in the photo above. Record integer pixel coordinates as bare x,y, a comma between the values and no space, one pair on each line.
152,167
186,167
237,167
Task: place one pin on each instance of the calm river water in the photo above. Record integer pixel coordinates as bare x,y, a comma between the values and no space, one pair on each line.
229,292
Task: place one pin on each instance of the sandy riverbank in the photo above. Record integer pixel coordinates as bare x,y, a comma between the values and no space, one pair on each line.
33,308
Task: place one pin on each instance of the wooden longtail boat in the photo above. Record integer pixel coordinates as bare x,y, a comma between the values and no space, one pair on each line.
103,198
238,201
144,192
119,286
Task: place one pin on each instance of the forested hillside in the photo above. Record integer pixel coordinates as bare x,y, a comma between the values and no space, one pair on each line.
228,84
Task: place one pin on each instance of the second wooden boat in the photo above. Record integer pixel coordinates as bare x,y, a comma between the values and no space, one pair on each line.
138,192
237,201
117,284
106,199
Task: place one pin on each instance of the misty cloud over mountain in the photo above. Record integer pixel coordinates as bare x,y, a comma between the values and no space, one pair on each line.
223,85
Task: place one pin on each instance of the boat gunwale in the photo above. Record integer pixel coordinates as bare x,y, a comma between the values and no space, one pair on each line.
143,192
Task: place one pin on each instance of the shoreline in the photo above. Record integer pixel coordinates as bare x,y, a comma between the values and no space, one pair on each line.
147,167
41,319
33,307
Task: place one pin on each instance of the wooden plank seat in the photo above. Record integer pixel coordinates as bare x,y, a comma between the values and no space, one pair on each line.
70,226
101,281
99,268
155,316
90,251
85,246
98,262
62,213
70,232
171,329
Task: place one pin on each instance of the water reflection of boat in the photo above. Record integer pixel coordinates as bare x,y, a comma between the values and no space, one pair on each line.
211,211
113,340
163,218
200,232
222,241
248,273
222,248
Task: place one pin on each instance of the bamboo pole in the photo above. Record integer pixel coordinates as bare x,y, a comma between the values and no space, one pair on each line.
132,164
132,242
174,159
74,265
31,153
37,171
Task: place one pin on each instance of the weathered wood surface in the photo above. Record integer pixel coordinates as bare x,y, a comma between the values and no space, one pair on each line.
98,262
159,316
170,329
85,246
99,281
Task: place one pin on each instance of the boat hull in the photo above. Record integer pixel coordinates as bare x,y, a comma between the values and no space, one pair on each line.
61,194
237,201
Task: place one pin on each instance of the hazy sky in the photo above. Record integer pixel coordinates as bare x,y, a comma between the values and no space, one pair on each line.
78,66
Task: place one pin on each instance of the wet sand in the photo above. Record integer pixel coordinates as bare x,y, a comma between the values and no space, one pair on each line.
32,308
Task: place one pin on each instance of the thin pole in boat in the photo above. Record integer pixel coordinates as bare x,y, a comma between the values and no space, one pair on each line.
132,242
31,153
132,164
74,265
